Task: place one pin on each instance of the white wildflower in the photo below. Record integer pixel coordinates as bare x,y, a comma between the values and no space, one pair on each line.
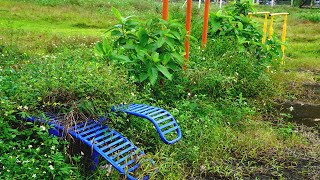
291,108
51,167
34,175
43,128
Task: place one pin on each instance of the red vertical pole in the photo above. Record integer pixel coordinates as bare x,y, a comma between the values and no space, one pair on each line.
165,9
205,22
188,26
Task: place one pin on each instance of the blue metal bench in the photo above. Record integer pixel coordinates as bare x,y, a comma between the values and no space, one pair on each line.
163,121
122,154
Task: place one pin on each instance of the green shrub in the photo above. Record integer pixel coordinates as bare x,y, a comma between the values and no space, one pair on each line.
150,51
235,24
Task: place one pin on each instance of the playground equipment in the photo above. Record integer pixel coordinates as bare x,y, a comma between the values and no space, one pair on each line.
284,30
109,144
266,14
270,33
188,24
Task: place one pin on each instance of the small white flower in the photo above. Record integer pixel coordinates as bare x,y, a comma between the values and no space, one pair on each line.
44,172
51,167
189,94
132,94
34,175
53,148
19,107
30,146
43,128
26,107
204,58
291,108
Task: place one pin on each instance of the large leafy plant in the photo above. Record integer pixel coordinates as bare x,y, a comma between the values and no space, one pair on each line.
151,50
235,23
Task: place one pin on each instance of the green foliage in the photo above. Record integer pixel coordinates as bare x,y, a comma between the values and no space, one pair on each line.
235,23
150,51
31,153
224,71
311,16
63,83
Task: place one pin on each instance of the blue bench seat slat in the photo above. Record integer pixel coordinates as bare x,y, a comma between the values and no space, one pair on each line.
134,167
126,157
84,126
123,152
160,115
164,119
117,148
170,130
156,116
103,136
143,110
135,106
93,129
168,124
95,134
159,111
111,144
128,163
150,111
108,140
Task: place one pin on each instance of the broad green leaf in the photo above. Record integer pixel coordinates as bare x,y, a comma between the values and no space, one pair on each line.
155,56
161,41
166,58
99,48
143,77
164,71
153,75
116,32
240,26
117,13
143,37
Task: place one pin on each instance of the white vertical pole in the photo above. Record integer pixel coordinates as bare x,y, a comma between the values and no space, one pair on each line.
199,5
272,3
220,4
292,3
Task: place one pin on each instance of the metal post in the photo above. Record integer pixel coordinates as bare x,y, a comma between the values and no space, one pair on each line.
270,28
188,27
265,23
283,37
205,22
165,9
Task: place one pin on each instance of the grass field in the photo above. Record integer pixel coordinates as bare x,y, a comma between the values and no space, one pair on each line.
47,56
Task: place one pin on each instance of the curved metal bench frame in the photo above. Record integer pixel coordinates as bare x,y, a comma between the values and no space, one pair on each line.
89,133
162,120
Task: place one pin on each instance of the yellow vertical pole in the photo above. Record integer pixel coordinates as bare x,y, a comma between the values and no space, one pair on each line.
283,37
270,28
250,15
265,27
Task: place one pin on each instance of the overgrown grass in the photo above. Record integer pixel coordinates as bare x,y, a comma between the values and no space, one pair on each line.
47,63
